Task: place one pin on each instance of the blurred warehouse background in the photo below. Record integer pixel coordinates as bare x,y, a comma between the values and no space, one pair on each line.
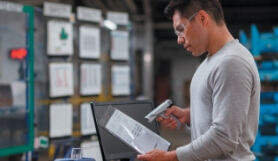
64,53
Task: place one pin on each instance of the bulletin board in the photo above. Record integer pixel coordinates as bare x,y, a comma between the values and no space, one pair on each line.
77,74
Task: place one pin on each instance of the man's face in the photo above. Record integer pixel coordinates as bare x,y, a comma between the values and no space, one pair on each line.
190,33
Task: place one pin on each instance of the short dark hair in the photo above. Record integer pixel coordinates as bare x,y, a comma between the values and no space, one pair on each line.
189,7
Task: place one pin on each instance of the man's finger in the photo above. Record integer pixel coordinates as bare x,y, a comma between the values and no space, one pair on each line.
159,118
142,157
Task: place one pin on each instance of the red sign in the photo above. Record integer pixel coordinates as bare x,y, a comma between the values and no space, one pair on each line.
19,54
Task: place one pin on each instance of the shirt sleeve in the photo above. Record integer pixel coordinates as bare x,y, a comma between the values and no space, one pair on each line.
231,82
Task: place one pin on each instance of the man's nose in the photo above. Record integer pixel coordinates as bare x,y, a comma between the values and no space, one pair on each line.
180,40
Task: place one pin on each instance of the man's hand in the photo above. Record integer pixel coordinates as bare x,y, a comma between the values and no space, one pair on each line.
183,115
158,155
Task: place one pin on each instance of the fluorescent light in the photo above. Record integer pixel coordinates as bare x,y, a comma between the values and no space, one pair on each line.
110,25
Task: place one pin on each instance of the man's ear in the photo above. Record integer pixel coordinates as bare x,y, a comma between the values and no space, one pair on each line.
204,17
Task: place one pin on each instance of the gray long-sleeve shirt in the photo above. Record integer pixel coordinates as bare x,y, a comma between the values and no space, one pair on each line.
224,111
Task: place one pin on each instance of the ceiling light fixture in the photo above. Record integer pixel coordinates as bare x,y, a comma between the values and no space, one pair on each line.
110,25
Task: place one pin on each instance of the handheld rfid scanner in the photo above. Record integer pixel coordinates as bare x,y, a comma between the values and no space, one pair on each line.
160,111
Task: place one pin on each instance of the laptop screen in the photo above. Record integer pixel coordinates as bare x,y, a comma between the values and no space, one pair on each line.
111,147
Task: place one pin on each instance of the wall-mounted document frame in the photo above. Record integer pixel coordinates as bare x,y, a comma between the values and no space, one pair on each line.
29,12
119,18
131,132
120,80
56,10
87,120
89,42
61,79
120,45
60,120
90,79
88,14
59,38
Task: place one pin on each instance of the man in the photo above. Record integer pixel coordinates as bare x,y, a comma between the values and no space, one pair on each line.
225,89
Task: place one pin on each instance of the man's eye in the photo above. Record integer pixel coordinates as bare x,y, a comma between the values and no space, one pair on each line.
179,29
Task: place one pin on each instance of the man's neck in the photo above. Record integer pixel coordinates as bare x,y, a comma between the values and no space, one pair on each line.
219,36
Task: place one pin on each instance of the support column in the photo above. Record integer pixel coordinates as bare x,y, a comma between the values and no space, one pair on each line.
148,74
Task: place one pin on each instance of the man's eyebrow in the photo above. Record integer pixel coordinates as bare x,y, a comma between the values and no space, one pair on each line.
178,26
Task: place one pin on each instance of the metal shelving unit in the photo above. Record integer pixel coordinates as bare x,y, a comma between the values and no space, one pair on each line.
263,46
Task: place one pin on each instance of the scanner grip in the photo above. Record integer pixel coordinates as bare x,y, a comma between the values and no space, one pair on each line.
172,116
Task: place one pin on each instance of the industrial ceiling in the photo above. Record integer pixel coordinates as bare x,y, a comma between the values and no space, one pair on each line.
239,14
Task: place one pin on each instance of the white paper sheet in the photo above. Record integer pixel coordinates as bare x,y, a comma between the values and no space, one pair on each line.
90,81
91,150
120,80
60,118
19,93
89,38
87,120
59,38
120,45
135,134
61,79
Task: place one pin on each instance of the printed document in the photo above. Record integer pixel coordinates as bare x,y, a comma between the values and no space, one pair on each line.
132,132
